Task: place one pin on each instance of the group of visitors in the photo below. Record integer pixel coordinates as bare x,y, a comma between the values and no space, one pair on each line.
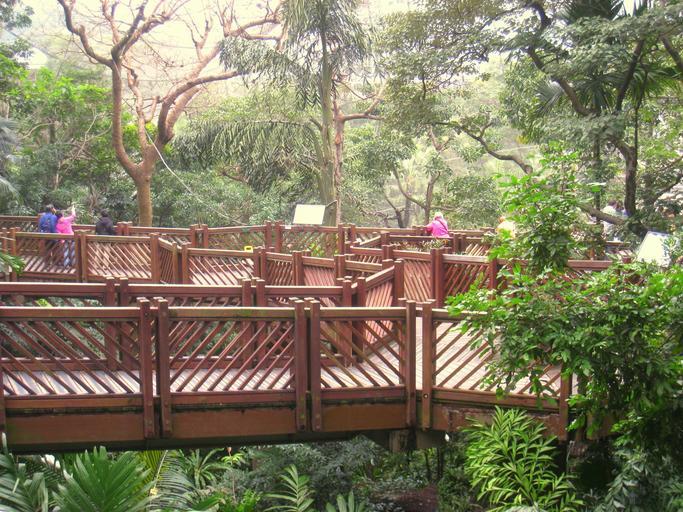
61,222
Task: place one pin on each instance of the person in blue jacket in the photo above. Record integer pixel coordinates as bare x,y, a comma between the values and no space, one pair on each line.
48,220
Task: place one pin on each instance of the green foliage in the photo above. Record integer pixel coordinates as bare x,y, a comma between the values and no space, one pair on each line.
510,463
619,331
20,490
346,504
644,483
296,495
203,469
100,482
545,212
13,263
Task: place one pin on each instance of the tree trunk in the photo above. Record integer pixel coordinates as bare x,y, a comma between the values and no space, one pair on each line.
143,186
630,184
327,189
338,159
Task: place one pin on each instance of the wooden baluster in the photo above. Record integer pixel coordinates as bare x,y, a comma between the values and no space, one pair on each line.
315,370
146,370
428,362
300,365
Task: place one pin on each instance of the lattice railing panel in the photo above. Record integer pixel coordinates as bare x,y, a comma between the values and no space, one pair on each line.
231,355
254,236
69,357
279,273
323,244
461,362
168,262
117,258
459,277
318,276
362,354
417,280
219,270
47,256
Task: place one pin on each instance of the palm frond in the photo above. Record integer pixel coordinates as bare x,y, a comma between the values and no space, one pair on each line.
262,150
100,482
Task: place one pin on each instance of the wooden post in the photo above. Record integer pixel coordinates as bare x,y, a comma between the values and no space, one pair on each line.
278,236
155,263
384,238
163,366
410,362
263,266
494,267
268,235
146,371
177,265
248,326
3,414
387,252
341,238
261,301
300,365
110,338
297,268
12,246
428,361
124,292
437,276
185,265
205,236
399,282
565,393
358,338
352,234
194,238
339,266
314,351
79,258
347,247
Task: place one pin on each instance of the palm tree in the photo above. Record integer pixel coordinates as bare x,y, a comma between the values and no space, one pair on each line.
324,40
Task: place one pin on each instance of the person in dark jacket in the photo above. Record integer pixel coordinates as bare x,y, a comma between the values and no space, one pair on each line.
103,260
105,226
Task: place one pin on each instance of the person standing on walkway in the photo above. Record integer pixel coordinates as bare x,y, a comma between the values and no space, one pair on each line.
65,227
48,220
105,226
438,228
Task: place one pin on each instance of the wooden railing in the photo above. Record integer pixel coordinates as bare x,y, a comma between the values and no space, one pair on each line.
156,363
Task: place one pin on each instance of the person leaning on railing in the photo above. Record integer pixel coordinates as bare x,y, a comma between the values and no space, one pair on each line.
438,228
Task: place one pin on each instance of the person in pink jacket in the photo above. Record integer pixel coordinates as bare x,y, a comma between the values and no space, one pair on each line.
65,227
438,227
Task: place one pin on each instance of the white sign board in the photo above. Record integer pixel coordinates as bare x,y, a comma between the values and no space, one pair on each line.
653,249
309,214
